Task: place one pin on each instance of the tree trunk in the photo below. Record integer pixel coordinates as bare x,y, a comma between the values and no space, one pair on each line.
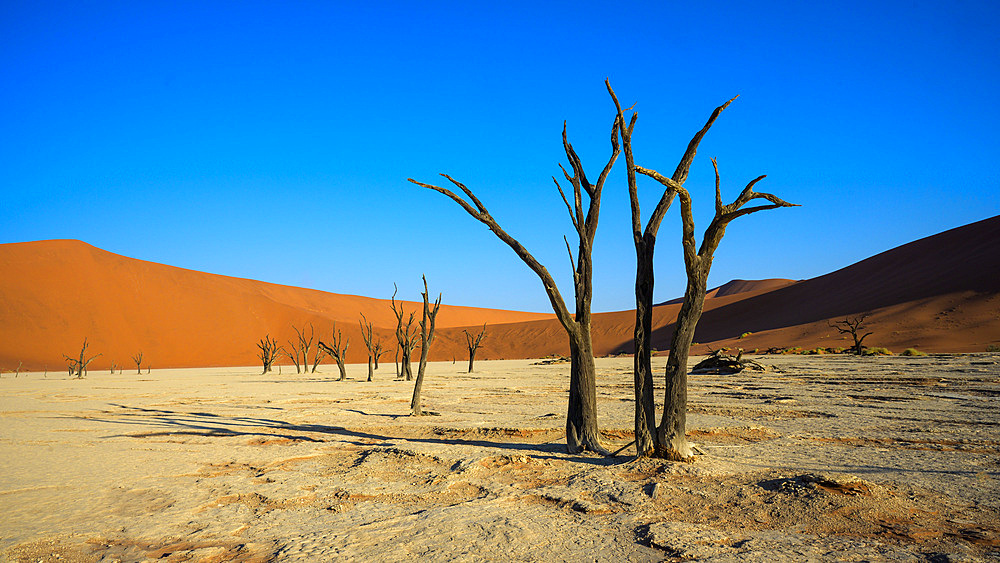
343,370
407,369
472,358
645,410
581,414
370,371
672,433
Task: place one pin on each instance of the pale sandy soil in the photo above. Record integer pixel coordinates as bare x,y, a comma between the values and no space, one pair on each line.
822,458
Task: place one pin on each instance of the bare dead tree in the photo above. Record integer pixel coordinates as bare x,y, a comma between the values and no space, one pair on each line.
269,352
426,338
78,366
473,341
374,344
338,350
581,416
138,362
304,344
112,368
671,442
852,326
645,243
294,354
406,337
320,356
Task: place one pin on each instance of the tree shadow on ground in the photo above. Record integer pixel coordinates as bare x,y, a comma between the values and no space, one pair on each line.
178,423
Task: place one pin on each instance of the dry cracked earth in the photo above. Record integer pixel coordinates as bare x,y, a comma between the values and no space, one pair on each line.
827,458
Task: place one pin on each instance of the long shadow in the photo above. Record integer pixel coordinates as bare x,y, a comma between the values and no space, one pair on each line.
176,423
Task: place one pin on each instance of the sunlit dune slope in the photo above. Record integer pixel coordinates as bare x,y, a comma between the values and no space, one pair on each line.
55,293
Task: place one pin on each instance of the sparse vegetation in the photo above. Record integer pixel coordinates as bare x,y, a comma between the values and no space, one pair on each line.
876,352
744,335
853,326
993,348
912,352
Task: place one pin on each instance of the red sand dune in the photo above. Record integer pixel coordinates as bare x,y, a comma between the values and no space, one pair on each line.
941,293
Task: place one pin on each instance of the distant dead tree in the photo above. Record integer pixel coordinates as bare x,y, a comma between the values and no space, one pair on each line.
293,354
581,417
269,352
112,368
671,442
406,337
78,366
338,350
373,343
473,341
320,356
303,346
426,338
138,362
852,326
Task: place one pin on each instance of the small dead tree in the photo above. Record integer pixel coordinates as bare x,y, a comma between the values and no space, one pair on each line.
320,356
406,337
269,352
338,350
303,345
473,341
374,344
671,441
78,366
138,362
294,354
581,413
426,338
852,326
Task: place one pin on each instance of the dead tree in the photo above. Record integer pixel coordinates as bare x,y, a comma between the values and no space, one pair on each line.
645,243
294,354
373,343
406,337
472,341
581,416
269,352
671,442
78,366
138,362
338,350
852,326
320,356
303,346
426,338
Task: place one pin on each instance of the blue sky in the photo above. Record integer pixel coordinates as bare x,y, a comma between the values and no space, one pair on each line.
273,140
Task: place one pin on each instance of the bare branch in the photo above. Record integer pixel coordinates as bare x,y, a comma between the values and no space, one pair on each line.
684,166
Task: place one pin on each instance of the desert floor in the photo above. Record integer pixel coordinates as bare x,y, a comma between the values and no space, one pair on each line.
819,458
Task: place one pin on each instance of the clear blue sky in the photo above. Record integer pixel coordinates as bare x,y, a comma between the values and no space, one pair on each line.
273,140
